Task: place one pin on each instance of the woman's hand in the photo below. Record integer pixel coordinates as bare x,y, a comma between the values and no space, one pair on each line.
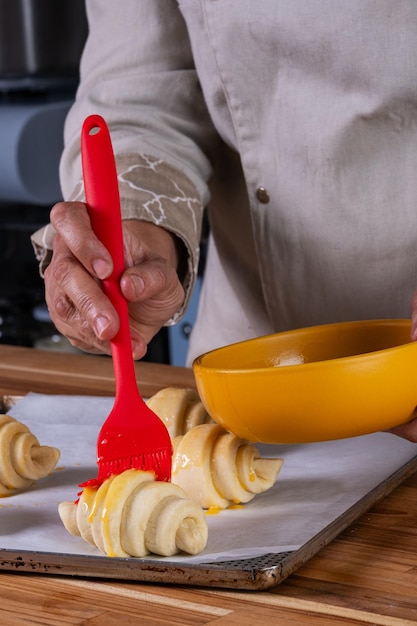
78,306
409,429
414,317
406,431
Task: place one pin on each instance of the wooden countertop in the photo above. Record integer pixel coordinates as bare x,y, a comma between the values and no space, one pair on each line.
368,575
42,371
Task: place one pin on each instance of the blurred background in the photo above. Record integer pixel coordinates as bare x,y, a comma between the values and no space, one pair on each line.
40,48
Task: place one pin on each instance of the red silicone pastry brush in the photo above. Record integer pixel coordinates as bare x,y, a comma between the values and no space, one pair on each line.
132,436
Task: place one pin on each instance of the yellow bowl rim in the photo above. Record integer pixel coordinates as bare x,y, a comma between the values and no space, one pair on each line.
338,361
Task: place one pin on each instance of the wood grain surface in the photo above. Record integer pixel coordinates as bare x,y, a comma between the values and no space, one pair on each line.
367,575
43,371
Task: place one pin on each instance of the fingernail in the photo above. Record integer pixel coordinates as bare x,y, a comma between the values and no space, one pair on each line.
136,285
100,324
101,268
138,348
135,346
132,286
140,284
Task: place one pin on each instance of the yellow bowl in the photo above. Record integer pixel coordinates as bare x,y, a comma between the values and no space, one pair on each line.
313,384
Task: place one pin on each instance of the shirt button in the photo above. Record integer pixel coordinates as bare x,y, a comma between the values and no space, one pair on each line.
262,195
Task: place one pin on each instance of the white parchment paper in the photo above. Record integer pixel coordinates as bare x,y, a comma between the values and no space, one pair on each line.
318,482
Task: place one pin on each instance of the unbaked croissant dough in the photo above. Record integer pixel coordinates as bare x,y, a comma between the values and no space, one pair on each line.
179,409
22,459
216,469
131,514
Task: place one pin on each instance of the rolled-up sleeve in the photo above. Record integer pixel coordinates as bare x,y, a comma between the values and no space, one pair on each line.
137,71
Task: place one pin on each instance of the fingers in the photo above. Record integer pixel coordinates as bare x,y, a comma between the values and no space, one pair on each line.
77,305
150,282
71,222
406,431
79,308
155,294
414,317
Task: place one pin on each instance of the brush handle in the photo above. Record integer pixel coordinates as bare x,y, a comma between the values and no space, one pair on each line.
103,204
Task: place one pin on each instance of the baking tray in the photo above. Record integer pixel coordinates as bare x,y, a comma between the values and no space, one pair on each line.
257,573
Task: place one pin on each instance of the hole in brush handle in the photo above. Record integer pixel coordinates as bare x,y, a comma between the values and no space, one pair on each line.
94,130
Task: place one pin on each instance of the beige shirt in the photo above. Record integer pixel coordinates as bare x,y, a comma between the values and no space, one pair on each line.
317,220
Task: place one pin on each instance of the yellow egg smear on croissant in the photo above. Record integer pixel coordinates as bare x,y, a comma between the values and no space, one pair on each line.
219,470
133,515
215,468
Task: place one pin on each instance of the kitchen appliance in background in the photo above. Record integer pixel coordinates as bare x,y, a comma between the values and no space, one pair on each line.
41,42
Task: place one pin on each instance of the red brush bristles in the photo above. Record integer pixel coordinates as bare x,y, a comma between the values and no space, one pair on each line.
156,462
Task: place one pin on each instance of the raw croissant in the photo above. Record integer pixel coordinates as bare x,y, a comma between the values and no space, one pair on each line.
22,459
179,409
131,514
216,469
